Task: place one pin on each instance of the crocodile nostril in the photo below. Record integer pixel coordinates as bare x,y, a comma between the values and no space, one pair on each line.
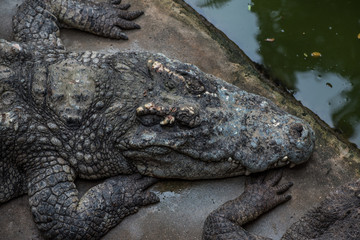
297,129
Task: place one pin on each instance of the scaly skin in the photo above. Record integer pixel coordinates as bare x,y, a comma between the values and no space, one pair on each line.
336,218
65,115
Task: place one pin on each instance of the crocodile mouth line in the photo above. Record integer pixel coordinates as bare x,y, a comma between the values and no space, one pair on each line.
233,163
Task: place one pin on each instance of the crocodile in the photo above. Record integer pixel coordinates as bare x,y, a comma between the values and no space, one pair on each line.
126,117
337,217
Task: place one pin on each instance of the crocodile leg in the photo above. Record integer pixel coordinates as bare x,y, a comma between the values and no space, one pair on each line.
104,19
259,197
12,182
337,217
60,214
36,28
115,3
37,22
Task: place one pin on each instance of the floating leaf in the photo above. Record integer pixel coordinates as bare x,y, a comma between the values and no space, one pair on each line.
358,36
249,7
305,55
329,85
270,39
316,54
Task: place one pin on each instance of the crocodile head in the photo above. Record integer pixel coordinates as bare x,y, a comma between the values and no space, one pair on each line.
198,126
161,117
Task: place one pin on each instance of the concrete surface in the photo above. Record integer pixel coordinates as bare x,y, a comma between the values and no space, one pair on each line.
171,27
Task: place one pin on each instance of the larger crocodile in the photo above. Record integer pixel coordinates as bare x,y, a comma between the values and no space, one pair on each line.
67,115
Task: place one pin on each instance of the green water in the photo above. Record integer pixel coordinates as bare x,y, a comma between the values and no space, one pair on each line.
329,85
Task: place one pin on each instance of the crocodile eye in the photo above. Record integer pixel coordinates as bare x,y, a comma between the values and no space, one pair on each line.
150,120
192,81
188,116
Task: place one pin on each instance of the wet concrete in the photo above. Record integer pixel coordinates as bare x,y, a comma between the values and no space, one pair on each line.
172,28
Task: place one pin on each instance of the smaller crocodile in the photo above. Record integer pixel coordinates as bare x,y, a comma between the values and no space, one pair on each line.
336,218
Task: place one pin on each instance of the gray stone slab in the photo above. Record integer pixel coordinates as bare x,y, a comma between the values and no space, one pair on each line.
170,27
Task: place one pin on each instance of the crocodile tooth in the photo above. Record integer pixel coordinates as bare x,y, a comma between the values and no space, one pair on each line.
284,159
16,126
292,165
139,110
168,120
17,46
247,172
156,65
149,105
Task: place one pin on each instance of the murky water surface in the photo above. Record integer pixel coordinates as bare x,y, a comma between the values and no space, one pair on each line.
312,47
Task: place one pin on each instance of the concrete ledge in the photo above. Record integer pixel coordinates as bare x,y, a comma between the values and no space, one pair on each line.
173,28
